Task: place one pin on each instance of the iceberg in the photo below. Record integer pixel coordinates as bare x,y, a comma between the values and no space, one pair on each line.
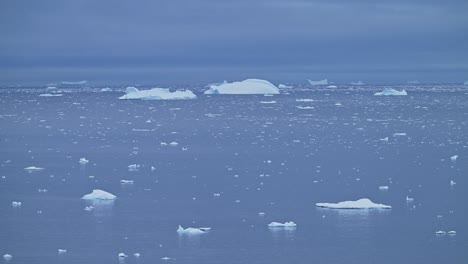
454,157
321,82
332,86
284,86
50,95
157,94
99,195
358,204
83,161
75,83
249,86
107,89
7,257
192,231
357,83
290,224
33,168
122,255
389,91
383,188
16,204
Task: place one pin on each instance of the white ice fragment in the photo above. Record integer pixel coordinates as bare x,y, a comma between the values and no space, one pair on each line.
16,204
284,86
441,233
399,134
89,208
192,231
173,144
383,188
452,233
452,183
83,161
99,195
126,181
289,224
122,255
389,91
409,199
33,168
62,251
320,82
454,157
7,257
133,167
50,95
107,89
332,86
249,86
137,255
358,204
157,94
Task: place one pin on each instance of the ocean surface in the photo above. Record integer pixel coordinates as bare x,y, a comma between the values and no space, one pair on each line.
240,162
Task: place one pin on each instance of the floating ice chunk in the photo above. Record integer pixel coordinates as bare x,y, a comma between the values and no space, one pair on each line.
7,257
304,100
173,144
383,188
122,255
157,94
268,102
99,195
409,199
290,224
192,231
133,167
384,139
304,107
454,157
284,86
16,204
452,233
107,89
357,83
51,88
452,183
75,83
166,258
441,233
83,161
33,168
358,204
62,251
332,86
126,181
399,134
50,95
321,82
249,86
137,255
389,91
89,208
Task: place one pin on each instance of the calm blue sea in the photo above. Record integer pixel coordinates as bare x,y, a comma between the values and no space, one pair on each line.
241,162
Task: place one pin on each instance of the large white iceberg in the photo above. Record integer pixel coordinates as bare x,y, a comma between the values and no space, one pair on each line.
192,231
290,224
389,91
99,195
157,94
321,82
249,86
359,204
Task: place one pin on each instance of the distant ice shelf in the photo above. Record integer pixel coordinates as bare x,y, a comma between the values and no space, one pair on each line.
133,93
249,86
389,91
99,195
358,204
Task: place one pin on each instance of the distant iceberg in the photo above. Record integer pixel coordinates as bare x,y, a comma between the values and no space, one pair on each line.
321,82
290,224
50,95
157,94
359,204
107,89
75,83
284,86
332,86
33,168
357,83
389,91
249,86
99,195
192,231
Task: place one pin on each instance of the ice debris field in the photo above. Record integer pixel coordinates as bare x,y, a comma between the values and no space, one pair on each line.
234,172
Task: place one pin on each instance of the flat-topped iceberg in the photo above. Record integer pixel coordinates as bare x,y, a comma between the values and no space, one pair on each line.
359,204
99,195
249,86
157,94
320,82
192,231
289,224
389,91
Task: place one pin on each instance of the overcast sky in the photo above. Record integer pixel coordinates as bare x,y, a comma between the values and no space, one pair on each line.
199,41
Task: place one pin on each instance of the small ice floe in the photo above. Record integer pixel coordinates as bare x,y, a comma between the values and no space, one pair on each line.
153,168
107,89
216,194
62,251
452,233
454,157
99,195
50,95
289,224
137,255
122,255
126,181
192,231
163,144
42,190
399,134
389,91
261,214
268,102
383,188
89,208
409,199
452,183
166,258
7,257
304,107
173,144
441,233
16,204
133,167
358,204
33,168
83,161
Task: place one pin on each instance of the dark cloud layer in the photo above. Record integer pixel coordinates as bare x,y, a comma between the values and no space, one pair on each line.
175,41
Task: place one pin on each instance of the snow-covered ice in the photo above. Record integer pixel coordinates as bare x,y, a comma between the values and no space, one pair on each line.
249,86
83,161
192,231
358,204
389,91
99,195
157,94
